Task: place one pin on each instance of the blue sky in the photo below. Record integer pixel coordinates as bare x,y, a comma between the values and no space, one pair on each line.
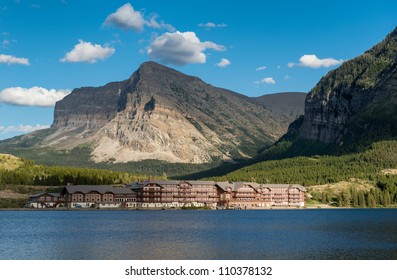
254,47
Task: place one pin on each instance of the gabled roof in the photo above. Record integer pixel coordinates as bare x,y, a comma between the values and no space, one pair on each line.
225,185
123,190
158,182
99,189
212,183
44,193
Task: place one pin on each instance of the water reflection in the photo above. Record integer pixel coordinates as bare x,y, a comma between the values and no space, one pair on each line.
280,234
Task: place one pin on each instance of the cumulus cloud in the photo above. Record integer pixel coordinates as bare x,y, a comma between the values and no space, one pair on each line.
126,17
210,25
88,52
8,59
312,61
181,48
261,68
22,128
35,96
223,63
267,80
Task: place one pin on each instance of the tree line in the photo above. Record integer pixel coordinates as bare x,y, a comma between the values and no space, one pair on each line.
29,173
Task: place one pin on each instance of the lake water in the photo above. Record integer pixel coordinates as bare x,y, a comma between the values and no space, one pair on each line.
275,234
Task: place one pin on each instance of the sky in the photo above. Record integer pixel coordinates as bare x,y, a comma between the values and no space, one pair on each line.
253,47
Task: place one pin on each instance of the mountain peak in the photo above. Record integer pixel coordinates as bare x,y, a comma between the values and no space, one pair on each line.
160,113
152,65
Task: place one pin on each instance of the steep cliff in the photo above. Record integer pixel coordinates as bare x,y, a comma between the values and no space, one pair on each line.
160,113
355,101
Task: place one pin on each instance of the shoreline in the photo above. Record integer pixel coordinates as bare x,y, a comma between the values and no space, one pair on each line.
178,209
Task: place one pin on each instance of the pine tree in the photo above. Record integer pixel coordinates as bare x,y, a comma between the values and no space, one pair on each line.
386,199
361,199
354,197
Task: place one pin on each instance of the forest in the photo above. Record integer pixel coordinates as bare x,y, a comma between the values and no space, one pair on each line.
369,165
28,173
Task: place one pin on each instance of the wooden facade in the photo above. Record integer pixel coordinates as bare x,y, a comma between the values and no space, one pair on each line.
176,194
238,195
46,200
99,197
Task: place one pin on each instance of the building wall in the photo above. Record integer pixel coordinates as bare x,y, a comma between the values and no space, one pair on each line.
45,201
175,194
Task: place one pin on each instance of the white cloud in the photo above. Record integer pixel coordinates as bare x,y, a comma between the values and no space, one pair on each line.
287,77
268,80
210,25
127,18
35,96
87,52
8,59
261,68
22,128
223,63
181,48
312,61
154,24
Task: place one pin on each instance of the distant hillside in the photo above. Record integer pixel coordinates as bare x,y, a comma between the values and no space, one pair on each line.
290,104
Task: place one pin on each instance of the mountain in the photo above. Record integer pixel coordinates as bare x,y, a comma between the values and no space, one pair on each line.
289,104
159,113
355,103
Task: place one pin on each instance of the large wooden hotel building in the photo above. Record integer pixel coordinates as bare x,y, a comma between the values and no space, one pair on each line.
177,194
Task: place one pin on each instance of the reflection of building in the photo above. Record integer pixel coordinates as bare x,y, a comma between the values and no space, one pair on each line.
218,194
175,194
45,200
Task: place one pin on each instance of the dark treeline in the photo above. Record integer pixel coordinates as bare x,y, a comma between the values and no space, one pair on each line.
29,173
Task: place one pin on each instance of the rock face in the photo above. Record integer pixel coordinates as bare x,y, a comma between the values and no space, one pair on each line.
160,113
289,104
357,97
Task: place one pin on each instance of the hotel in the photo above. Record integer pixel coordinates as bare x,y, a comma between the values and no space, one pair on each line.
175,194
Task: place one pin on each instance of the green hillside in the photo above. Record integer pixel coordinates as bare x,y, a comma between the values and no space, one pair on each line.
27,172
369,166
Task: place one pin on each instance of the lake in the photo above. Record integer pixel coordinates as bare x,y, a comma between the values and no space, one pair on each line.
199,234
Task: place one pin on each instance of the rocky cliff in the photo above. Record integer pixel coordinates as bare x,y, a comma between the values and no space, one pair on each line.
358,97
160,113
288,104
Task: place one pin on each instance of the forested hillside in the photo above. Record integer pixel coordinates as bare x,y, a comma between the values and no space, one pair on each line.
377,165
26,172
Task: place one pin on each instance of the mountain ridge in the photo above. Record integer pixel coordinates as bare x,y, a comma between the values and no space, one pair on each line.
348,96
159,113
